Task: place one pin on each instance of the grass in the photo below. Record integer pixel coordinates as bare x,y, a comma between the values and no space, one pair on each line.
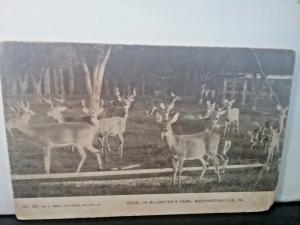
143,145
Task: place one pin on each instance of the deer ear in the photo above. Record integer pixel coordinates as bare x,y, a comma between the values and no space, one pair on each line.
101,102
100,110
172,94
279,107
158,117
83,103
134,92
232,101
162,105
120,99
174,118
62,108
85,110
222,112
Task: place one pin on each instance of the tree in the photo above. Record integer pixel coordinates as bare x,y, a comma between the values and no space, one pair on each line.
62,57
94,78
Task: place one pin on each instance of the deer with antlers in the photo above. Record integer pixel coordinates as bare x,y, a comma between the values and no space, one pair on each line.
55,111
188,147
21,117
54,135
112,126
164,108
192,146
232,117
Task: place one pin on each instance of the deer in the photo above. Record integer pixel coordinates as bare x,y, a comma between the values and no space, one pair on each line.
261,135
273,145
210,108
188,147
55,111
112,126
164,108
232,117
223,155
54,135
20,117
282,117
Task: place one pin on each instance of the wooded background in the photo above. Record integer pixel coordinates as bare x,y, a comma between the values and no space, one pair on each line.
62,69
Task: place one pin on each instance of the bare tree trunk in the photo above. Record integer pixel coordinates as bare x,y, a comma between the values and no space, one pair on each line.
99,74
87,76
71,81
128,87
13,88
61,81
55,82
143,86
257,86
94,82
47,83
37,85
107,86
23,85
254,93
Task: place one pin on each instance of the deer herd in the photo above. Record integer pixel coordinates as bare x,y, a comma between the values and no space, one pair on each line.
100,123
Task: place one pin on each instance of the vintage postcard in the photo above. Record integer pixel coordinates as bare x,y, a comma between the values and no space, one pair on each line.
100,130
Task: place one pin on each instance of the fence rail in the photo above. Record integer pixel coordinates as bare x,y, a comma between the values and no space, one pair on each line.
121,172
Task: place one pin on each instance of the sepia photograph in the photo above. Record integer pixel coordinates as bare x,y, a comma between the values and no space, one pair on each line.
104,119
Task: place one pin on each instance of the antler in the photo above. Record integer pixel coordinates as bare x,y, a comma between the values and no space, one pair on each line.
48,101
15,109
60,100
85,109
118,94
21,105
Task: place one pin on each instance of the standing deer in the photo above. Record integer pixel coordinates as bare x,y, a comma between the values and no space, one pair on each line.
274,144
223,155
54,135
232,117
165,109
55,111
21,117
188,147
282,117
210,109
112,126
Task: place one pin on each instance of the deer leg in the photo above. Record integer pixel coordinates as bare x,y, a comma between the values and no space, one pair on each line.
204,164
47,159
216,164
120,153
233,127
83,155
271,155
224,160
96,152
225,128
107,144
237,127
101,142
175,170
107,151
180,167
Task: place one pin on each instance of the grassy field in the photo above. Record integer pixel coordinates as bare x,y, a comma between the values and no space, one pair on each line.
143,145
